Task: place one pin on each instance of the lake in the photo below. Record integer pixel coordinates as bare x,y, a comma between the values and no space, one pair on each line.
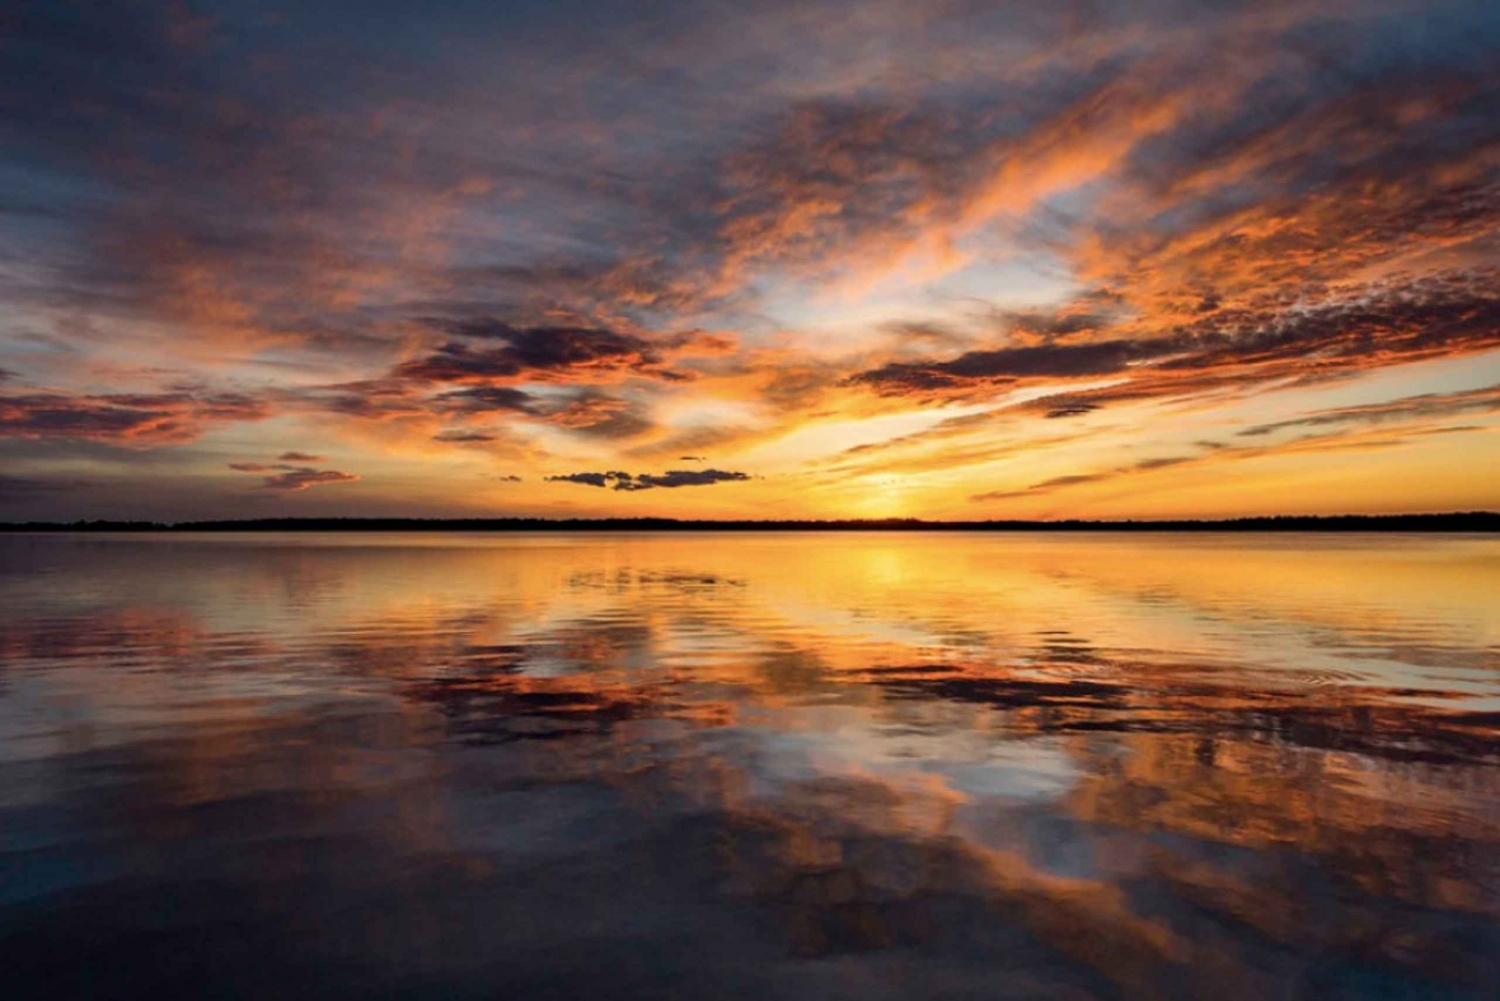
843,765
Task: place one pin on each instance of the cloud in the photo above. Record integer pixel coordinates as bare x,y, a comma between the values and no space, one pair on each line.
1008,365
1056,483
463,437
1317,334
1061,406
298,457
589,479
382,399
686,478
483,399
17,489
1407,408
302,479
1346,429
650,481
1078,479
129,419
545,354
289,477
597,414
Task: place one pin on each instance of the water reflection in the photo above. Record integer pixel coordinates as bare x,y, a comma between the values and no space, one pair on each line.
806,766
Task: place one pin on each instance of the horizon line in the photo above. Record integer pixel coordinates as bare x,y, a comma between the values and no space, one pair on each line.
1447,521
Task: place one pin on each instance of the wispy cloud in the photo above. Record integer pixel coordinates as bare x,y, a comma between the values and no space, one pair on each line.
289,477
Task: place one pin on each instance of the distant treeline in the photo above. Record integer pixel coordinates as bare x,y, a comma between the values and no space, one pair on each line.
1465,521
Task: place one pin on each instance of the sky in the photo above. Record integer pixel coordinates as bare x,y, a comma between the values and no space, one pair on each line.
814,259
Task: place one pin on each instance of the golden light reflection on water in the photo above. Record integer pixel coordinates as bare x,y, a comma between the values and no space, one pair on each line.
863,765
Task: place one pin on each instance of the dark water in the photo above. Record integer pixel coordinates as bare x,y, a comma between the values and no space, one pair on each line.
862,766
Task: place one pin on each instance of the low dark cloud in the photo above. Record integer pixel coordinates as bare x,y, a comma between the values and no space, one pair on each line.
687,478
463,437
287,476
650,481
298,457
588,479
17,489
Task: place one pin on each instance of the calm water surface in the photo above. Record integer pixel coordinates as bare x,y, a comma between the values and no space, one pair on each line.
705,766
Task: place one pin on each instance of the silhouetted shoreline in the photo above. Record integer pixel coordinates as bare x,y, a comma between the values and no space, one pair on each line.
1468,521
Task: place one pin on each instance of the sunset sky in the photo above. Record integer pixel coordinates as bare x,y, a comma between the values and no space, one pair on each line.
760,259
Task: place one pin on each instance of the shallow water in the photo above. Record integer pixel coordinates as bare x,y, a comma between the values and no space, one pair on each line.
704,766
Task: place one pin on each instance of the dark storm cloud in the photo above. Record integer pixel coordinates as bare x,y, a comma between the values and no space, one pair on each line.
649,481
